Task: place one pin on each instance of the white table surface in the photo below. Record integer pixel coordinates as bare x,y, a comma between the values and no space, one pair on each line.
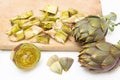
8,71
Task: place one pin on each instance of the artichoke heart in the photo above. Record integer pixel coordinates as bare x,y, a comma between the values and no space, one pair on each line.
26,56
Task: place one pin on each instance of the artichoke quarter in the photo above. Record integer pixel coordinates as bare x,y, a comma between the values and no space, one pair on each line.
99,56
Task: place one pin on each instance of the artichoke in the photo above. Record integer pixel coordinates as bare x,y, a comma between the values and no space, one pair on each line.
92,28
26,56
100,56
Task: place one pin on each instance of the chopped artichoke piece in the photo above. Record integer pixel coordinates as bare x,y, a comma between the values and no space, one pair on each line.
17,36
72,11
47,25
58,24
52,60
75,18
26,56
42,39
51,32
36,29
44,16
61,36
15,28
56,67
26,15
66,29
52,18
19,22
29,33
66,63
26,25
35,21
15,19
64,15
51,9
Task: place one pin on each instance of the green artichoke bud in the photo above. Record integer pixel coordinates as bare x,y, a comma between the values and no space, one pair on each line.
93,28
99,56
90,29
26,56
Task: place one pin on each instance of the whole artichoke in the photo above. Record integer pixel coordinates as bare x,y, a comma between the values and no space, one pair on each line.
100,56
90,29
93,28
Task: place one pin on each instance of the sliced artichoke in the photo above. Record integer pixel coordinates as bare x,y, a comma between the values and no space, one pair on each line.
26,56
60,36
64,15
17,36
52,60
15,28
36,29
26,25
72,11
26,15
35,21
56,67
44,39
51,9
47,25
66,28
29,33
66,63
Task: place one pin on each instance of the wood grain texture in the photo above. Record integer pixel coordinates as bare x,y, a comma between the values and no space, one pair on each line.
11,8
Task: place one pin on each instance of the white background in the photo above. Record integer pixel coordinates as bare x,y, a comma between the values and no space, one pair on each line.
8,71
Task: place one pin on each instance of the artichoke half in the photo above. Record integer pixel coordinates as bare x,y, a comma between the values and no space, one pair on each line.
26,56
100,56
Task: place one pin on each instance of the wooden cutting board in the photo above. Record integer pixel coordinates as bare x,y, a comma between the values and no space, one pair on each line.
11,8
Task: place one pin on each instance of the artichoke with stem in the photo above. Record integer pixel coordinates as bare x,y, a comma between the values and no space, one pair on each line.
92,28
99,56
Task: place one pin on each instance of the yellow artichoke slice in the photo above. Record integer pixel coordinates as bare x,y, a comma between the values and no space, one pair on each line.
15,28
44,39
17,36
64,15
51,9
72,11
61,36
26,56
